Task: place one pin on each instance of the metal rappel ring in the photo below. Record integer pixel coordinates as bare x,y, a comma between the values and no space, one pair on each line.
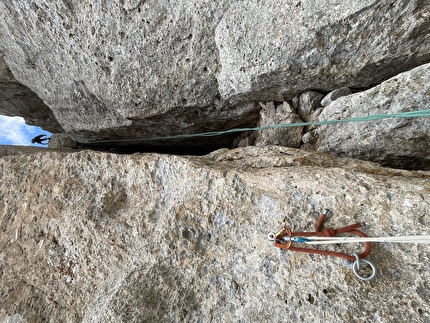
356,268
271,236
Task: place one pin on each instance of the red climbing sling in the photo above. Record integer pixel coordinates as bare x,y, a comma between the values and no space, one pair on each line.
285,239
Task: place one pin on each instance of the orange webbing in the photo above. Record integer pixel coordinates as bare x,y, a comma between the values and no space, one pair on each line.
329,232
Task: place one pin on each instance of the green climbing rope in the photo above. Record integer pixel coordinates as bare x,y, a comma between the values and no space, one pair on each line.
410,114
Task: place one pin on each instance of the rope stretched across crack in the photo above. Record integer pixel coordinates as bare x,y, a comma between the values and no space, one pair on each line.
369,118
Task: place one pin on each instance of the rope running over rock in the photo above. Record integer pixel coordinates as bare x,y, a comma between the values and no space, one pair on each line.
369,118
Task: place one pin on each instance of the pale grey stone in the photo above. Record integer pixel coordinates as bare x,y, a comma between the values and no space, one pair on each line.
98,237
309,137
273,115
135,69
309,101
403,143
333,95
127,69
272,50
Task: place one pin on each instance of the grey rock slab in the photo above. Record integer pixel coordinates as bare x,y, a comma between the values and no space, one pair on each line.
135,69
62,140
273,113
7,150
272,50
97,237
403,143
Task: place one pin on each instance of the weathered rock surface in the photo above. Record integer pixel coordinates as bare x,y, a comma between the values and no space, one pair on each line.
18,100
403,143
309,102
321,45
119,70
135,68
62,140
272,114
6,150
99,237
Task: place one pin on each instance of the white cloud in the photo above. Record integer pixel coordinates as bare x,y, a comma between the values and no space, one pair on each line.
13,131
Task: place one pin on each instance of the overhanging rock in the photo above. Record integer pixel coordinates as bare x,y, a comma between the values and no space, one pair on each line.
271,50
148,68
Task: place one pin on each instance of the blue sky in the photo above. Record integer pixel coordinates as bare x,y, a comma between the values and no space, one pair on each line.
14,131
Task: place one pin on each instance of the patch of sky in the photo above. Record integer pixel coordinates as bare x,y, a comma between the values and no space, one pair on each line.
15,132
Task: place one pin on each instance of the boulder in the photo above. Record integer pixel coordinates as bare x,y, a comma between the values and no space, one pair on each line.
97,237
273,113
309,102
62,140
402,143
127,70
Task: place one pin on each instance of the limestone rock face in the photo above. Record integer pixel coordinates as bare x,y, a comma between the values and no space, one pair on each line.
136,68
98,237
403,143
322,45
18,100
119,69
282,113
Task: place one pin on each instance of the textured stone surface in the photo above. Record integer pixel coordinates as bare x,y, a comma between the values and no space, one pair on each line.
136,68
99,237
272,114
18,100
403,143
309,102
62,140
6,150
124,69
271,50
